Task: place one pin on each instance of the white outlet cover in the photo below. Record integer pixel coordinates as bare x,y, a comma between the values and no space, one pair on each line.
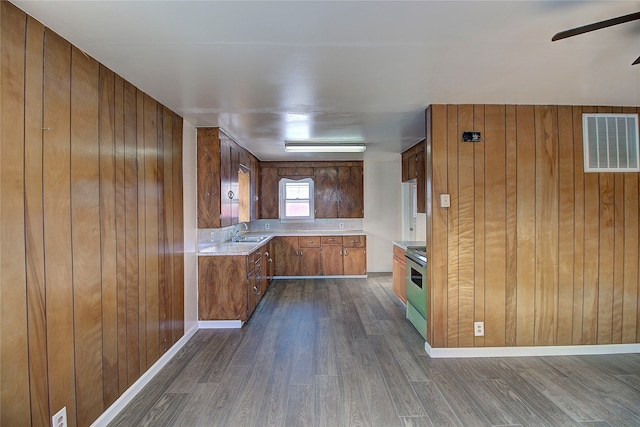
60,418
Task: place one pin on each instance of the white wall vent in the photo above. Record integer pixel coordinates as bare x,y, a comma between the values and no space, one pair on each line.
610,142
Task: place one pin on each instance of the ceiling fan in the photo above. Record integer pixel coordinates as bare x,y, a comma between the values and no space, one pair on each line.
597,26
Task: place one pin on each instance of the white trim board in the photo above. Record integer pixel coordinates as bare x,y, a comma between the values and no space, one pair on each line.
220,324
568,350
126,397
321,277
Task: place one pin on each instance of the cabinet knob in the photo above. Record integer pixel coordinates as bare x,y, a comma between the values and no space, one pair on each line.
230,194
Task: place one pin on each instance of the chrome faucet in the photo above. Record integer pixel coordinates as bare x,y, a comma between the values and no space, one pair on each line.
236,236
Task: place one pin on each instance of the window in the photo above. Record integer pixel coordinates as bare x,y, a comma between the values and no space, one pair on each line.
296,199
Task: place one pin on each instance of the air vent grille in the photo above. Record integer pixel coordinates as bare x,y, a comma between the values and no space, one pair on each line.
610,142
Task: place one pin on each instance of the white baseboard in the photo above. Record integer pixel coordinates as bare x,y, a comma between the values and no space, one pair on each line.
568,350
322,277
220,324
126,397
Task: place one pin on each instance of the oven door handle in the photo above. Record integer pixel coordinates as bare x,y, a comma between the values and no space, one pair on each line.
415,261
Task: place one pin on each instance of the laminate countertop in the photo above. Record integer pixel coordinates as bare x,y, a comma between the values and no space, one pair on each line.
245,248
404,244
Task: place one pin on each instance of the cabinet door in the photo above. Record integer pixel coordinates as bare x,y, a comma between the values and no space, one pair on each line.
269,193
405,167
268,261
219,295
226,193
355,261
332,260
234,169
253,292
208,178
287,259
412,171
399,274
350,188
326,192
310,262
421,182
254,200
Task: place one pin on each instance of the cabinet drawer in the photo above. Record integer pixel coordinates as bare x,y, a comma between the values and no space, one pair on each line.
398,252
309,242
255,257
332,240
354,241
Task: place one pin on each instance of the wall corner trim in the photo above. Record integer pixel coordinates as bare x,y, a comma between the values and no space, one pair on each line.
569,350
126,397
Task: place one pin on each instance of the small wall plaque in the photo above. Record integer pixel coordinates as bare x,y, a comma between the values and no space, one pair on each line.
471,136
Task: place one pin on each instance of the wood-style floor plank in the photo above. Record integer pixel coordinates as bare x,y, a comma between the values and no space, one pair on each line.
341,353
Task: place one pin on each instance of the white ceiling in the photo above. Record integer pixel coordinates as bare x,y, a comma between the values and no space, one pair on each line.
267,71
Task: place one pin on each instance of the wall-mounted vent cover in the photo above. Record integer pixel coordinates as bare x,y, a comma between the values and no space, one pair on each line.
610,142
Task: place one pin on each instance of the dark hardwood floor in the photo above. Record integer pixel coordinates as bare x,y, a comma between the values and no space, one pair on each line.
327,352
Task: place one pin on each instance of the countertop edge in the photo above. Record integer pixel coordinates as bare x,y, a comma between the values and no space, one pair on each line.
233,249
406,243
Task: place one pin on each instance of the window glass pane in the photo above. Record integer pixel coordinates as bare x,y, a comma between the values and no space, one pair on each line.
297,190
296,208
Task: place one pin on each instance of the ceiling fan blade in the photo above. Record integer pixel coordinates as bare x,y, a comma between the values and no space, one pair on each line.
637,61
596,26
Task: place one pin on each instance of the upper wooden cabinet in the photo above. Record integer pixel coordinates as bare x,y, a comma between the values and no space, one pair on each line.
338,187
414,167
223,190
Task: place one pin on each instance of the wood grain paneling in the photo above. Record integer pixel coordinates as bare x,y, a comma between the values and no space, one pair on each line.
132,265
526,224
85,208
119,222
34,224
151,259
108,236
479,228
566,201
495,242
13,315
541,252
57,225
546,196
80,153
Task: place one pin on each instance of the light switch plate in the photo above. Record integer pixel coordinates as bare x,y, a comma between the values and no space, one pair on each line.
445,200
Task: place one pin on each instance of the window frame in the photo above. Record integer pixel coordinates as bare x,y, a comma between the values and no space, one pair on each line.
282,200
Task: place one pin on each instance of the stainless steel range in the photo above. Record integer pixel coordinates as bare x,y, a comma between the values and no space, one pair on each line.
417,288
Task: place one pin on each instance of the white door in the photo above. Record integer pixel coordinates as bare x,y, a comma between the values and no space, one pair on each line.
409,210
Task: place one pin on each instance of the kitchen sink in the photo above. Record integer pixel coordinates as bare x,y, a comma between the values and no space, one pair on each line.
245,239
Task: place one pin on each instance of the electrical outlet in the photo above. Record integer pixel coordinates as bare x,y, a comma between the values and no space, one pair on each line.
212,236
478,329
341,225
60,418
266,225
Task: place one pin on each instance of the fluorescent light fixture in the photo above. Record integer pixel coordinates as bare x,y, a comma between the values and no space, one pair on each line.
323,147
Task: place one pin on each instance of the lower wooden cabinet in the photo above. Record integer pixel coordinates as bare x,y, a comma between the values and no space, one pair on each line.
321,256
297,256
399,273
230,287
222,288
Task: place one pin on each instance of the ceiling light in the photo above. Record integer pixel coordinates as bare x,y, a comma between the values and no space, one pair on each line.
323,147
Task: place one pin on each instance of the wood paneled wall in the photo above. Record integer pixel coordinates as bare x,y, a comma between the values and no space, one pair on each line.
542,252
91,228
